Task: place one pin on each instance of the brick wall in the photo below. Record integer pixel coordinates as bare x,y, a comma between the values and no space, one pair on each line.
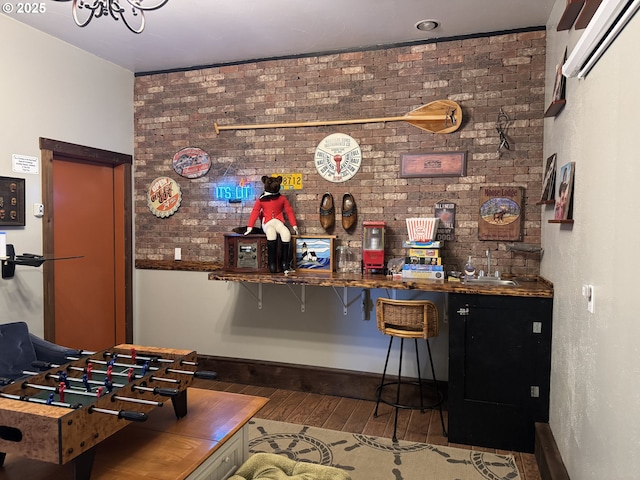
177,110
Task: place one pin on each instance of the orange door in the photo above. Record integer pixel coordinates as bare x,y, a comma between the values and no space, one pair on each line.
84,224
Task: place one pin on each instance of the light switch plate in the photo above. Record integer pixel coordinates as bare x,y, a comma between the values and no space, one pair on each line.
588,292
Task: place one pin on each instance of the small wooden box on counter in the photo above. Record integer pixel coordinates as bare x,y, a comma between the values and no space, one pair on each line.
245,253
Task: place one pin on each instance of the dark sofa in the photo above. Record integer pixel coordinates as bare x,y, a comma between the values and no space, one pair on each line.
19,349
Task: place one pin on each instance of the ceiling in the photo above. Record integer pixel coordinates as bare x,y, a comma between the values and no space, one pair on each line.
190,33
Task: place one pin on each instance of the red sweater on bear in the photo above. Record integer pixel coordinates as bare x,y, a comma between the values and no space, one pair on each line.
268,207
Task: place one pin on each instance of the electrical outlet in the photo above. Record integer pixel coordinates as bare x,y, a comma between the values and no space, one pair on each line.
177,254
38,210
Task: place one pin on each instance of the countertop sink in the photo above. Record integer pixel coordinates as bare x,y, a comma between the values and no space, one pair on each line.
491,281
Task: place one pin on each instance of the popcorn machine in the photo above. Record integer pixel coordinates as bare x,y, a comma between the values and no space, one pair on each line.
373,245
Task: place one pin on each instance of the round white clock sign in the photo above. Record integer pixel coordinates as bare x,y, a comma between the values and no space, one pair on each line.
338,157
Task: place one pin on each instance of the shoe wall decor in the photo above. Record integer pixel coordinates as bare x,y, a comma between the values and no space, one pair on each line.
327,211
349,212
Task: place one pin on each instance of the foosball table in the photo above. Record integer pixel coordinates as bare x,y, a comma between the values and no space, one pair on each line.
61,414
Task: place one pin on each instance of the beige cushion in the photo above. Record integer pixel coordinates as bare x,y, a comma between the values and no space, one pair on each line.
269,466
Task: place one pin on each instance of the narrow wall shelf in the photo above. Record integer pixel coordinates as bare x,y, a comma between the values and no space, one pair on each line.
545,202
587,13
570,14
555,108
569,220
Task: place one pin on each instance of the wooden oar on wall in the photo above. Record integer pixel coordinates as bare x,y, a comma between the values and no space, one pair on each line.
440,116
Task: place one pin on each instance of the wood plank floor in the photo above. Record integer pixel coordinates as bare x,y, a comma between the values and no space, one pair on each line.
356,416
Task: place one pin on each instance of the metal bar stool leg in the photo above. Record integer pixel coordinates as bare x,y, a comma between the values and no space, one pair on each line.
395,422
384,373
415,342
435,384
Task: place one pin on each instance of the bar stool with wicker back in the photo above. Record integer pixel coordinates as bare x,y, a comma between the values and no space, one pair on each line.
408,319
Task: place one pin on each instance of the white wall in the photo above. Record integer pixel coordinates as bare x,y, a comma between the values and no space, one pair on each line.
595,387
186,310
51,89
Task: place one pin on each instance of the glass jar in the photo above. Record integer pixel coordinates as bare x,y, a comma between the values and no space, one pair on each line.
344,259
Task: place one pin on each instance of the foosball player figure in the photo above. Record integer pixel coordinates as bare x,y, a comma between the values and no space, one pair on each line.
61,388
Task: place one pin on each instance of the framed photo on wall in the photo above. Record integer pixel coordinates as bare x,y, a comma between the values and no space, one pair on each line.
558,99
564,207
313,253
12,202
549,180
559,87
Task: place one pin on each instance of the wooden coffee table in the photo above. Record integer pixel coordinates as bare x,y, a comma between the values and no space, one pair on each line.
209,443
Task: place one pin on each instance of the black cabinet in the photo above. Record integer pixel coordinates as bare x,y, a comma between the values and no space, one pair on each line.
499,368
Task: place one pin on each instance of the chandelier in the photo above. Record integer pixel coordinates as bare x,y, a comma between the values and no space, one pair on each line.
131,12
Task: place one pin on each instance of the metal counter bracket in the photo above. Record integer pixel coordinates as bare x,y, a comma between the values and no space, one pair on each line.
257,297
301,298
344,299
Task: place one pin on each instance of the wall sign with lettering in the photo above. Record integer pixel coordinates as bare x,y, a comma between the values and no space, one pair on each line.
500,213
338,157
191,162
164,197
235,192
446,212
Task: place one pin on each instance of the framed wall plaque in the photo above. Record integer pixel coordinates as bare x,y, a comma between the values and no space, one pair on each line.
435,164
500,213
12,202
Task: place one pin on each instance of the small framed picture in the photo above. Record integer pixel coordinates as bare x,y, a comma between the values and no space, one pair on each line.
549,181
564,204
560,83
313,253
12,202
433,164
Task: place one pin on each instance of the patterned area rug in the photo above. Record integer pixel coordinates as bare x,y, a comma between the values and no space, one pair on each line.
377,458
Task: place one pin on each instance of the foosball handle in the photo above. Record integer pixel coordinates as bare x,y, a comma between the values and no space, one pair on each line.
133,416
205,375
39,364
166,392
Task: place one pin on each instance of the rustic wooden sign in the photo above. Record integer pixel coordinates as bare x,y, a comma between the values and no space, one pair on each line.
435,164
500,213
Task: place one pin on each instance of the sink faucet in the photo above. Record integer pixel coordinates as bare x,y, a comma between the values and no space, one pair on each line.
488,262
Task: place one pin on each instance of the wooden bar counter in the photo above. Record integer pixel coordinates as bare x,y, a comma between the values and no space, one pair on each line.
527,286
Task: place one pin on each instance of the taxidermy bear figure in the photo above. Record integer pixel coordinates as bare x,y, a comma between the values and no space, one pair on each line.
270,208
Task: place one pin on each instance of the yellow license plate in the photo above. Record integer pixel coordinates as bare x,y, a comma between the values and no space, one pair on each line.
291,181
